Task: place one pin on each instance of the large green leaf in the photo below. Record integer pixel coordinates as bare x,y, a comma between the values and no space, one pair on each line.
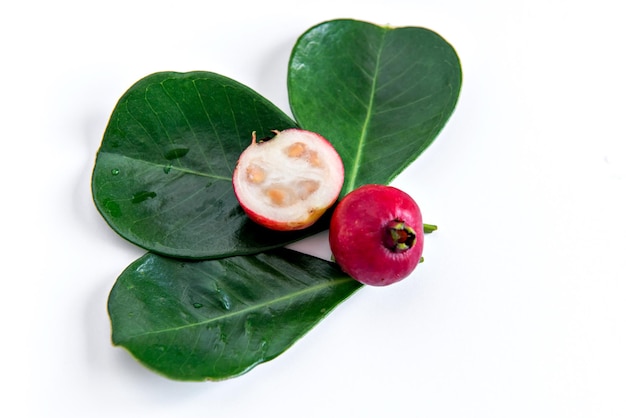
162,177
379,94
215,319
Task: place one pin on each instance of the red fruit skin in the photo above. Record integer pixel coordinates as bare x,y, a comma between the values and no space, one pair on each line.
358,234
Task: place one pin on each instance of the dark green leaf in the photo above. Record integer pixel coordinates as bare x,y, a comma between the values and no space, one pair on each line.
379,94
215,319
162,177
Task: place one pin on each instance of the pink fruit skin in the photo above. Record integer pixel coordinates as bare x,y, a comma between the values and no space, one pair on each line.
358,234
284,226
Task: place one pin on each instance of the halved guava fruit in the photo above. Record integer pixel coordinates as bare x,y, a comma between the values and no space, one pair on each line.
288,181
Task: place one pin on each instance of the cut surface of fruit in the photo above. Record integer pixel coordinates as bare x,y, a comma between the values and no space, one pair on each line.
287,182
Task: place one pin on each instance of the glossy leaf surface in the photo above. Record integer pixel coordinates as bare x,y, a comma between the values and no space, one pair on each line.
162,177
379,94
216,319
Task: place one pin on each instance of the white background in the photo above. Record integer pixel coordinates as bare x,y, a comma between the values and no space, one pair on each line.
520,307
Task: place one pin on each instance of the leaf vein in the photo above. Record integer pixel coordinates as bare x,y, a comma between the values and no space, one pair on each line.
251,308
364,130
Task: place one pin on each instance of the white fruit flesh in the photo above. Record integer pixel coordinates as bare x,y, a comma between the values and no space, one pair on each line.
290,178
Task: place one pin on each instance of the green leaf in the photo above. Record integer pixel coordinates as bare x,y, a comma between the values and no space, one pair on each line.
216,319
379,94
162,177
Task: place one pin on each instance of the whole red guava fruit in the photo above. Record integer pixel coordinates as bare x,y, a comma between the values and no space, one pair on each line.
376,234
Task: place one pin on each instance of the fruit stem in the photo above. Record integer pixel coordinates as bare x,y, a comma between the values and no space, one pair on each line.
428,228
399,236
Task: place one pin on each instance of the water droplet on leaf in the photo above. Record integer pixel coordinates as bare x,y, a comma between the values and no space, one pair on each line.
176,151
115,171
142,196
263,347
197,305
249,325
113,208
223,298
226,302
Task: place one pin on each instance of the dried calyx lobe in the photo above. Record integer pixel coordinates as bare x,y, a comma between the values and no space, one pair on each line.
399,236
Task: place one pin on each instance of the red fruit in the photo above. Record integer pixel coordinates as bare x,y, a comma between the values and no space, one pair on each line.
288,182
376,234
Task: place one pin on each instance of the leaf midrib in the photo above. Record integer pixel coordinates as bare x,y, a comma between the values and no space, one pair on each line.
171,167
366,123
252,308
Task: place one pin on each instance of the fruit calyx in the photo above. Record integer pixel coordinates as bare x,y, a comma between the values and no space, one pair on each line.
399,236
